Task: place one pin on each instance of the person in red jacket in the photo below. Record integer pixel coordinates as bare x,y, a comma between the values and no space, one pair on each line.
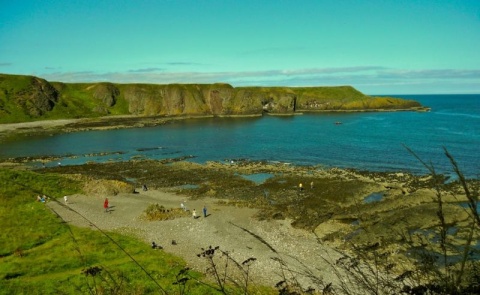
105,204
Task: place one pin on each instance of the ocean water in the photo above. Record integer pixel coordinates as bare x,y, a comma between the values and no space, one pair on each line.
372,141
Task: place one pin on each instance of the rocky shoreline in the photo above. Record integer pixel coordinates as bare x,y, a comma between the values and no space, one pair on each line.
345,209
344,214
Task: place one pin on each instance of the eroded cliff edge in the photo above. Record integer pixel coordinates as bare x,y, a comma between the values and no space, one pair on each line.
29,98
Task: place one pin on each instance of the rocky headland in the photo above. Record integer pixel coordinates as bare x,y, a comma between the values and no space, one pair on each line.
29,98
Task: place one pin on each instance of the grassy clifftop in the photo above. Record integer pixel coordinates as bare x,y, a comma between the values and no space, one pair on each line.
28,98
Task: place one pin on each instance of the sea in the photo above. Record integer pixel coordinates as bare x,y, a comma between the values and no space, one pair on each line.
373,141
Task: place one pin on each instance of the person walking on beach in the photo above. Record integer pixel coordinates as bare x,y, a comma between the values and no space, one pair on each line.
194,214
66,200
105,204
204,211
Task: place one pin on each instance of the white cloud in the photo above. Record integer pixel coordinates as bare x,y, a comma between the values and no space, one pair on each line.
369,79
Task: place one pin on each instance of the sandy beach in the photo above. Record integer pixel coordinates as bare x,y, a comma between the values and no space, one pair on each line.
47,124
224,226
72,125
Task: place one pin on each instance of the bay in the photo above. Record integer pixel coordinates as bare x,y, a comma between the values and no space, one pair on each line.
373,141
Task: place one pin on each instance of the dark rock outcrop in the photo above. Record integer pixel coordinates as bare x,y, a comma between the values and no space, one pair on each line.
33,95
106,96
107,93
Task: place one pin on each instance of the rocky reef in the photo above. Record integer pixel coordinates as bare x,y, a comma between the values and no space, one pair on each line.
27,98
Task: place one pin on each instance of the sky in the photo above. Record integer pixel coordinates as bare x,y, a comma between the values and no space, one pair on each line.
376,46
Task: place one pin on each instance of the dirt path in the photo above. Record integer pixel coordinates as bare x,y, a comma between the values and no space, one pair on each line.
225,226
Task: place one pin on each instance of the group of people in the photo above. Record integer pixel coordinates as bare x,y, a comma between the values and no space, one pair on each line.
42,199
106,205
45,199
300,186
156,246
194,212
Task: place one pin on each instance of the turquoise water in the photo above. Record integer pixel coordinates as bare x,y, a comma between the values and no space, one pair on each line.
372,198
367,141
465,205
258,178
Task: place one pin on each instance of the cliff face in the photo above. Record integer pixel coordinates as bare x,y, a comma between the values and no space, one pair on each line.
30,96
25,98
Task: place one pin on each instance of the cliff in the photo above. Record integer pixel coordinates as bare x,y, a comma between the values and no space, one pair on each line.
28,98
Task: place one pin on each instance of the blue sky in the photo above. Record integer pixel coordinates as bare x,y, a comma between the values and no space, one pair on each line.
379,47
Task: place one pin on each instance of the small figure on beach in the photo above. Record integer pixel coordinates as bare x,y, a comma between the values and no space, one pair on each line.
144,187
65,198
105,204
155,246
182,206
194,214
204,211
311,185
300,186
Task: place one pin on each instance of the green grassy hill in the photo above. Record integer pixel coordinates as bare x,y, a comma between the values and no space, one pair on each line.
28,98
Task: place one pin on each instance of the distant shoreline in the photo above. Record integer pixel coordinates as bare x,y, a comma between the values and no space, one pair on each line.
133,121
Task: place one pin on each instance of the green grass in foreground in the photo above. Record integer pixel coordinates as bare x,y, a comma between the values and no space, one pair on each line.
40,254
